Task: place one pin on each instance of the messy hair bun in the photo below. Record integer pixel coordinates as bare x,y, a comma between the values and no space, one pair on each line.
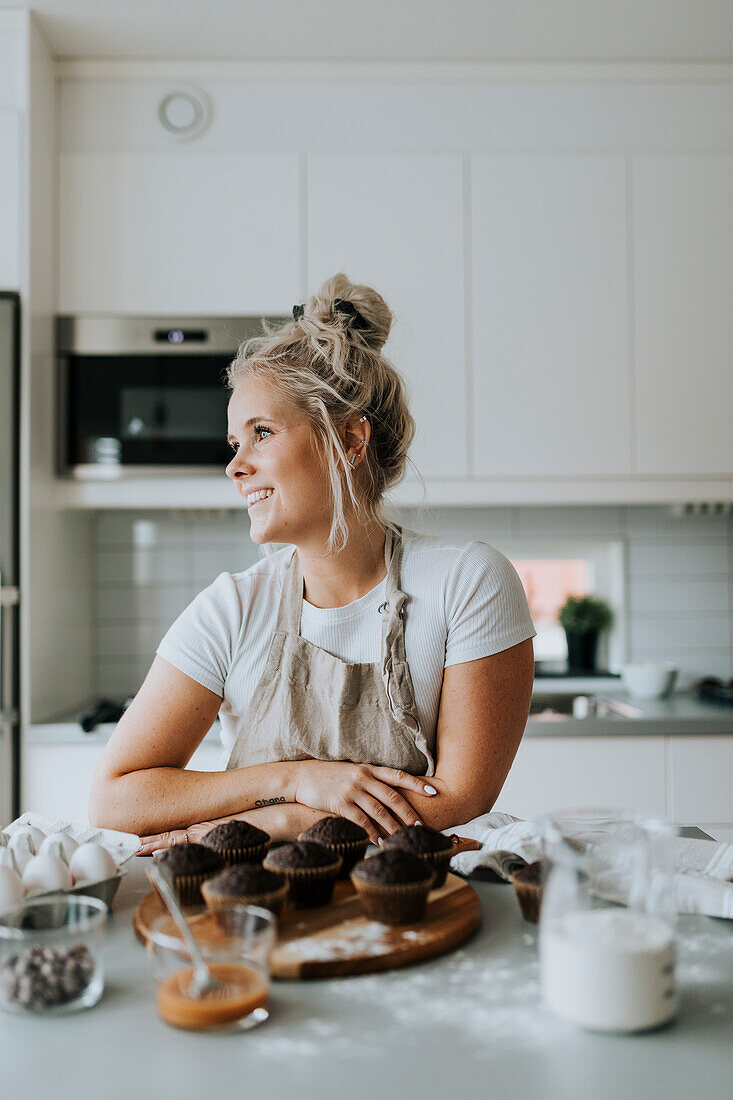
327,361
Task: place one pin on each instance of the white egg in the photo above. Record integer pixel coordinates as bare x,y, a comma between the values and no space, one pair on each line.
12,890
35,835
59,842
91,862
47,872
22,850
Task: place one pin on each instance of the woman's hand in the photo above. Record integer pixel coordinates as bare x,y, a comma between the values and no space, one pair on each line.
364,793
190,835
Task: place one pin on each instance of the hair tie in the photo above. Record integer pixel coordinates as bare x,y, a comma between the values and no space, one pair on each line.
341,305
298,312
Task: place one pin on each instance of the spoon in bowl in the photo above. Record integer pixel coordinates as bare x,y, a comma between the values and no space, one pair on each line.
203,983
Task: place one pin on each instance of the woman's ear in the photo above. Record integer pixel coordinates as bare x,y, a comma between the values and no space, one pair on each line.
356,433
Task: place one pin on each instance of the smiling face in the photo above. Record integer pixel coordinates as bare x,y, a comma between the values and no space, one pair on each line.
275,451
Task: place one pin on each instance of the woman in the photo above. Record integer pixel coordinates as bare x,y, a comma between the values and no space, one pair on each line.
354,663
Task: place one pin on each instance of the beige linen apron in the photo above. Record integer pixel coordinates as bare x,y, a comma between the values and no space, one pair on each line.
309,705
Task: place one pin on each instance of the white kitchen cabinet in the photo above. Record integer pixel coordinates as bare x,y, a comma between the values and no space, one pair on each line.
553,773
395,222
178,232
701,770
683,233
550,316
57,778
10,220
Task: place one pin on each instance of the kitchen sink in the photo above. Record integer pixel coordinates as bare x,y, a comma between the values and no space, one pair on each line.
558,706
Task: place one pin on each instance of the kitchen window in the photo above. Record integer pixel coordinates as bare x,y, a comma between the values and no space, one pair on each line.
553,569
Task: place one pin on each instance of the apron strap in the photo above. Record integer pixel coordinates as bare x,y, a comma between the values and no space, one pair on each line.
291,599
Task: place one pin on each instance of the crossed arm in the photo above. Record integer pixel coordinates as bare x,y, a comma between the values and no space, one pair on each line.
142,786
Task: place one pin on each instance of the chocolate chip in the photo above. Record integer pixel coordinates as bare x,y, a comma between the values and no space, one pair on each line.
42,977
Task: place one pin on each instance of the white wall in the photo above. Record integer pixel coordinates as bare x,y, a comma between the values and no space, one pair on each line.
55,546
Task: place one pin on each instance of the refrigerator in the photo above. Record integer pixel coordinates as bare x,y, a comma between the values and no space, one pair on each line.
9,556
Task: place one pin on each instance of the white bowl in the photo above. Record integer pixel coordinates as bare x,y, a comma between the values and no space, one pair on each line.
649,679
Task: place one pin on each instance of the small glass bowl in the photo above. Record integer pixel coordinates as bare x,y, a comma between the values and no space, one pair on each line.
236,948
50,955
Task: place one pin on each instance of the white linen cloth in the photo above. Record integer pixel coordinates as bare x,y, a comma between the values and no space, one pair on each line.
703,868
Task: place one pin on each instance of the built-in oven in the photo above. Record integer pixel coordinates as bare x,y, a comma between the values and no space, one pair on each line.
145,394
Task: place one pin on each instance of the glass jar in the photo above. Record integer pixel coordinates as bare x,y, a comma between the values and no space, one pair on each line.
50,954
236,949
606,935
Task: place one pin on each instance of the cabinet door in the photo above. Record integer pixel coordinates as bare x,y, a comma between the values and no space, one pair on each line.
178,232
9,200
57,779
702,779
549,311
683,231
395,223
554,773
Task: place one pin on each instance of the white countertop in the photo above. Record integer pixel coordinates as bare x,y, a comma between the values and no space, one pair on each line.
468,1025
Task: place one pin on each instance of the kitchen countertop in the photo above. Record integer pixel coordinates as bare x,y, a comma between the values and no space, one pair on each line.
681,714
468,1025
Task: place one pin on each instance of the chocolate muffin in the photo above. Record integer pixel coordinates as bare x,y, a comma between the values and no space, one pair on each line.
527,882
245,884
393,886
238,842
428,844
343,837
190,865
311,871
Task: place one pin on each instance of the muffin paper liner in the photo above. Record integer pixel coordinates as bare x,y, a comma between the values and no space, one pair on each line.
529,896
351,851
394,903
255,853
272,899
309,887
188,887
440,863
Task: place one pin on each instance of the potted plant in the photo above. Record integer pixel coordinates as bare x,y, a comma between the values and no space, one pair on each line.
583,618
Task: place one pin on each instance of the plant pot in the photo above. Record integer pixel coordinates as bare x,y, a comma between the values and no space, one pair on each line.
582,651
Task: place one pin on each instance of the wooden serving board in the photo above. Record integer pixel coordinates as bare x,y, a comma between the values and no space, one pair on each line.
337,940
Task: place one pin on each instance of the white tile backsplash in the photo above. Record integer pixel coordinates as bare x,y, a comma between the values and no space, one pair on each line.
599,521
147,602
208,561
149,566
678,594
686,557
664,522
711,629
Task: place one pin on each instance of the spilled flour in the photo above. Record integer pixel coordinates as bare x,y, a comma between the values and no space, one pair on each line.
353,939
481,1005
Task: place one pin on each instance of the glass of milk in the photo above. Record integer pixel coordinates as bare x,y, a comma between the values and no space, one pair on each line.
606,936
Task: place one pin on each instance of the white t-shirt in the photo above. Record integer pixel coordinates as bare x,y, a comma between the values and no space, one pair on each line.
465,601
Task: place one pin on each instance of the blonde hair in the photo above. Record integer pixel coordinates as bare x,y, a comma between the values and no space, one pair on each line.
328,363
